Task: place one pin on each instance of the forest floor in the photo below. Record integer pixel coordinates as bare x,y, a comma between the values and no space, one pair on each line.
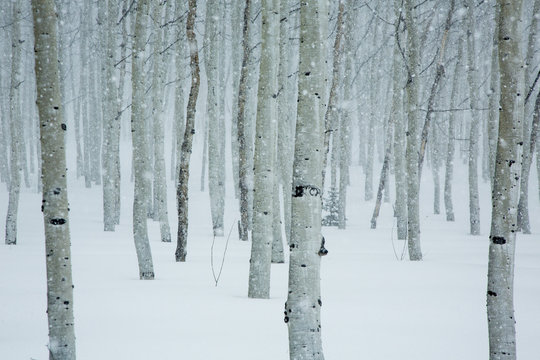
377,305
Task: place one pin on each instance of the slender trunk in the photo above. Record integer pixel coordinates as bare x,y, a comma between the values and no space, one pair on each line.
216,165
413,184
14,127
451,147
399,133
303,306
331,112
265,147
140,231
110,124
158,83
185,155
241,125
529,132
55,200
504,198
474,202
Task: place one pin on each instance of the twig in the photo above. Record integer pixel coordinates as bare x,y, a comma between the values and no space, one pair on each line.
216,278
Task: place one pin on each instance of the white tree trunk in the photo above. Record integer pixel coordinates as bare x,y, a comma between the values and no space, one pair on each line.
140,231
529,134
400,171
14,127
413,186
505,193
474,202
265,147
303,306
55,200
216,165
158,83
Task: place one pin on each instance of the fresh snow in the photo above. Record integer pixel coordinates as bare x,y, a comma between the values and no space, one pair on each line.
375,305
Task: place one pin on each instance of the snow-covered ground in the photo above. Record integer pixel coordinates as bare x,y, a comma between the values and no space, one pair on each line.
375,305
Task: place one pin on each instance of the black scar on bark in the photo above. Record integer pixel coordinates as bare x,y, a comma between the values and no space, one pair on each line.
57,221
499,240
491,293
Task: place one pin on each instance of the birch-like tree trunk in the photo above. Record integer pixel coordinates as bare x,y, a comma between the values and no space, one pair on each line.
185,155
216,147
505,193
472,79
14,126
413,185
243,166
54,190
400,171
265,147
303,306
451,146
158,83
111,126
138,133
83,91
530,129
179,97
493,102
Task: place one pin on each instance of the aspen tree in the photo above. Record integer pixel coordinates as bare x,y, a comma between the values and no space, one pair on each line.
530,128
243,165
399,132
140,227
158,82
216,147
413,186
474,202
14,126
505,193
265,147
185,155
303,306
54,184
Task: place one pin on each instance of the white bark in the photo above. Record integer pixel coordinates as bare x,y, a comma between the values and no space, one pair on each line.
140,231
529,134
505,193
216,133
265,147
111,125
14,127
400,172
413,186
158,83
474,202
55,201
302,309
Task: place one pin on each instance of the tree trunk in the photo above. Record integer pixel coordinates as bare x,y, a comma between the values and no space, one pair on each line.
413,185
474,203
303,306
399,132
185,155
265,147
14,127
505,193
138,133
530,132
451,147
54,190
160,176
111,123
216,165
241,126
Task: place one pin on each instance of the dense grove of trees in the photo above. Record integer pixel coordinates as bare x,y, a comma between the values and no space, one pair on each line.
298,92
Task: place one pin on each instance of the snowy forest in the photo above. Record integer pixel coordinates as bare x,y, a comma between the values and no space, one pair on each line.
195,179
